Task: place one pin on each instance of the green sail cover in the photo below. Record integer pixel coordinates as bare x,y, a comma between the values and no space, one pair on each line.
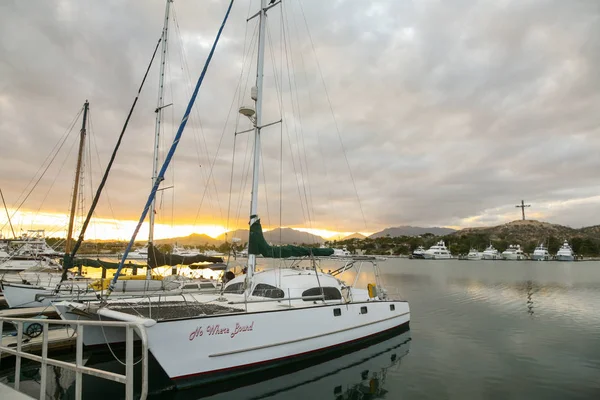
258,245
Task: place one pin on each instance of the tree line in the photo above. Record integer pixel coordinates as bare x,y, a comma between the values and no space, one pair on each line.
461,244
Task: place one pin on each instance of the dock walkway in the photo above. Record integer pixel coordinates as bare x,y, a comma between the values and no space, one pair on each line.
8,393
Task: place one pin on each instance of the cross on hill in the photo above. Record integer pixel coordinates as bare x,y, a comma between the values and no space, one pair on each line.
522,207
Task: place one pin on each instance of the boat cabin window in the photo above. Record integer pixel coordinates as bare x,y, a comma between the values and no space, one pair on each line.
363,310
337,312
190,286
330,293
207,286
264,290
392,307
237,288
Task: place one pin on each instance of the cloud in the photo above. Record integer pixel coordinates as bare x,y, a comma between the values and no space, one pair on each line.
449,112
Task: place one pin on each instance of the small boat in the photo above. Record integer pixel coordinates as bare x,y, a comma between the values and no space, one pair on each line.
490,253
182,251
437,252
565,253
139,254
23,295
540,253
419,252
343,252
514,252
474,254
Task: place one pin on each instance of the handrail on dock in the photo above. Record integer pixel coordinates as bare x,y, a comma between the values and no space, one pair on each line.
78,367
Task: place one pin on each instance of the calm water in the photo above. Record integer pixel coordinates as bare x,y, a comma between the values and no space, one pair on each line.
489,329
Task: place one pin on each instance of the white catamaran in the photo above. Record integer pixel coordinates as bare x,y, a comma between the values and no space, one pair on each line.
261,319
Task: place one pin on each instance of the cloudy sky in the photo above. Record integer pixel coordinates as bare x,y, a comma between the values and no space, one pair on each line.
443,113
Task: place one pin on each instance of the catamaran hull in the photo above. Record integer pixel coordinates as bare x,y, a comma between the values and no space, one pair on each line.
210,348
19,296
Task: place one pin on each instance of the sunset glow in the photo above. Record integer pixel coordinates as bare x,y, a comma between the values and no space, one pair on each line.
55,225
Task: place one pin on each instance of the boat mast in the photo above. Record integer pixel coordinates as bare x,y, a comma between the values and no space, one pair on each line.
257,126
8,215
82,134
159,108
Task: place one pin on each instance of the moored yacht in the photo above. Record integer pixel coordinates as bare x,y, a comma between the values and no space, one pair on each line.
540,253
343,252
514,252
565,253
474,254
437,252
419,252
490,253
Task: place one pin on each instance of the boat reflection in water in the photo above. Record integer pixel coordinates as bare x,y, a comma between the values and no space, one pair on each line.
359,374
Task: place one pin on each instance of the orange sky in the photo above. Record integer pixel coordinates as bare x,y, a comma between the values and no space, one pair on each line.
55,225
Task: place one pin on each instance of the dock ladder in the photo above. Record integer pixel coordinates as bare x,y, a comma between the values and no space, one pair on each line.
77,366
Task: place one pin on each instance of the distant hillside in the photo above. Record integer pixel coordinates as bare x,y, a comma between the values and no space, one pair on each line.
530,230
355,235
195,239
288,236
411,231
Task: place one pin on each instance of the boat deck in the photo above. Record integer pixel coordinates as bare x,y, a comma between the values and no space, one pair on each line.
173,310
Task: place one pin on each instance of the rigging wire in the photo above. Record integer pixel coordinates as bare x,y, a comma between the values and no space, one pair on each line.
69,258
337,129
171,151
60,144
196,115
101,168
237,121
299,135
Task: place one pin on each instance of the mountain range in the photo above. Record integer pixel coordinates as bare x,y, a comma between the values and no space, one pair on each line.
293,236
515,231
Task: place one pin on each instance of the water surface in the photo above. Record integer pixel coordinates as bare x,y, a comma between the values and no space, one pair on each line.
479,329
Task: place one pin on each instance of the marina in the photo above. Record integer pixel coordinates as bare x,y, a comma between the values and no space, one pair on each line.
292,199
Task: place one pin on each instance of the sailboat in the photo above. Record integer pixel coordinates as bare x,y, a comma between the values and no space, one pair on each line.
27,295
261,320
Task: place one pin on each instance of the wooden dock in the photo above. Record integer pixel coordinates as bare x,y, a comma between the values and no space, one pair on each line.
50,312
58,339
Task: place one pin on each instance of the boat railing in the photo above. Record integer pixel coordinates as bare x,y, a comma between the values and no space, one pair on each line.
77,366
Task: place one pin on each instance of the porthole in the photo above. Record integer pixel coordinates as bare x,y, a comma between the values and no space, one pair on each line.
363,310
392,307
337,312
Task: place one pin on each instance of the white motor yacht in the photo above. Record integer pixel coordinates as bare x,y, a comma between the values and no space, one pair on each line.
343,252
419,252
437,252
139,254
565,253
514,252
474,255
182,251
490,253
540,253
